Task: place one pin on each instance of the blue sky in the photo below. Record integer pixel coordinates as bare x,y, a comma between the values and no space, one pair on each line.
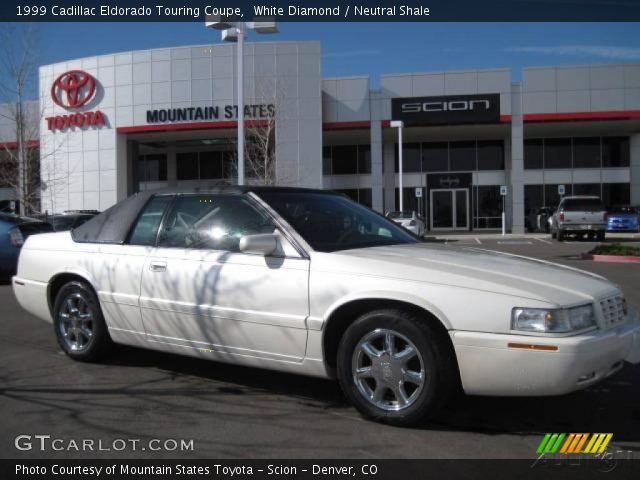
376,48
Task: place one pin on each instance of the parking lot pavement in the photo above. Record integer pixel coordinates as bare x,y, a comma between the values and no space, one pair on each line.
236,412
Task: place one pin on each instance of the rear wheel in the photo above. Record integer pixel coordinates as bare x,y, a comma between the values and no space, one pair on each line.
395,367
561,235
601,236
79,324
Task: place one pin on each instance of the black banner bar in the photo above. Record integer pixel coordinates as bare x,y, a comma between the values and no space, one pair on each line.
322,10
547,469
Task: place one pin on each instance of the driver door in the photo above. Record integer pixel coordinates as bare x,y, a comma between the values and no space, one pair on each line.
200,291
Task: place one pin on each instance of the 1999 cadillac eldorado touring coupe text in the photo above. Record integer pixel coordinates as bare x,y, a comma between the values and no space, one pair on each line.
310,282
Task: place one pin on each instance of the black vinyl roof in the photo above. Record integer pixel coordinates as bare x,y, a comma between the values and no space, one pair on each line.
114,224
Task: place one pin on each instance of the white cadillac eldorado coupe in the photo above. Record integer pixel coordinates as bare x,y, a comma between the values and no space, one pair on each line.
309,282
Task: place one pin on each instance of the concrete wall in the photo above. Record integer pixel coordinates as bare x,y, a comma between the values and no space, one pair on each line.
88,169
588,88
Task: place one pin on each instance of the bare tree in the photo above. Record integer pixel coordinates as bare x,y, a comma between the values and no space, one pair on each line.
21,160
260,132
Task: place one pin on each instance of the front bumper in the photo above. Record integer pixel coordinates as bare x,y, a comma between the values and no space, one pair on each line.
489,366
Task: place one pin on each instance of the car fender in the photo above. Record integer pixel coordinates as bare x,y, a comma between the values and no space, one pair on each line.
404,297
79,272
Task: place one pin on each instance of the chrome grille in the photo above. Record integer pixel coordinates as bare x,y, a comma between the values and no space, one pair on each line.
613,310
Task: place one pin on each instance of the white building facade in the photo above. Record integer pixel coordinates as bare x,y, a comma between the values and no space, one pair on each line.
115,124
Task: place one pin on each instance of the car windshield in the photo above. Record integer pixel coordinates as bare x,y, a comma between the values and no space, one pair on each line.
330,222
401,215
583,205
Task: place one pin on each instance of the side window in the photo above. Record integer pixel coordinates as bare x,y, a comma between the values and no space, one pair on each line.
212,222
146,229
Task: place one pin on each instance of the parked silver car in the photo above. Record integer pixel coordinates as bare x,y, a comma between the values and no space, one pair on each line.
409,220
581,216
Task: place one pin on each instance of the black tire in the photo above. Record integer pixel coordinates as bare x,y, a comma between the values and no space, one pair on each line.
554,235
601,236
86,302
561,235
440,371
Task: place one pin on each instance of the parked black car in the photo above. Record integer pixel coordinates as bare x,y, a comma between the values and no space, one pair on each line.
538,219
13,232
70,219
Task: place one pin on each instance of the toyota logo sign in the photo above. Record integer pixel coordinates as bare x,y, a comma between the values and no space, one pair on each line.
73,89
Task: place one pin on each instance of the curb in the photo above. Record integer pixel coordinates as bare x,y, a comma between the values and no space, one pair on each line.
611,258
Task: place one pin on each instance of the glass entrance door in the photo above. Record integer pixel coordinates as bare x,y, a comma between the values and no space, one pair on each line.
449,209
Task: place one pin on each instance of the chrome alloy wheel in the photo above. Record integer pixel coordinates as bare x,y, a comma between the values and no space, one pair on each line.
76,323
388,370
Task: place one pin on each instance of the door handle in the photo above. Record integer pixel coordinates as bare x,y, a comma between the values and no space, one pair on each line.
158,266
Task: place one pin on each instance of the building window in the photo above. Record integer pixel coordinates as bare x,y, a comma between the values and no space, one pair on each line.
577,152
364,159
533,153
557,153
488,206
346,160
211,165
551,195
616,194
435,157
200,165
326,160
187,166
462,156
411,158
586,152
490,155
533,198
615,151
152,168
587,189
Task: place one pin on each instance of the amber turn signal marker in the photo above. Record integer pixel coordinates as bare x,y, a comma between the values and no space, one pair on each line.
530,346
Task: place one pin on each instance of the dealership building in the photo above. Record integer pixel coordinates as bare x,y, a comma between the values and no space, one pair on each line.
115,124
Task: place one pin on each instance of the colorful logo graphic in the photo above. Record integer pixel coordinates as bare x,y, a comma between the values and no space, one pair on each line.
573,443
73,89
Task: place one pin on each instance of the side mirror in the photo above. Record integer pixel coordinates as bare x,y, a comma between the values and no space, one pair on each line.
262,243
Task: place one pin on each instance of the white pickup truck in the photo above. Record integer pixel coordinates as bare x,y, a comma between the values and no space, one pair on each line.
580,216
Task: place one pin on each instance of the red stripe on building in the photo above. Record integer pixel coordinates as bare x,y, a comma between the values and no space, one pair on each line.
581,116
346,125
14,145
174,127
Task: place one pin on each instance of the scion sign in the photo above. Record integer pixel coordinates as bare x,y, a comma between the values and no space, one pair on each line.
447,110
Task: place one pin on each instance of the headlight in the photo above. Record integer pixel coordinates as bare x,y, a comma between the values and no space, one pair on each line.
553,320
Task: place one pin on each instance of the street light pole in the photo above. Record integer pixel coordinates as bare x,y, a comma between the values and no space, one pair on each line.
235,32
399,124
240,60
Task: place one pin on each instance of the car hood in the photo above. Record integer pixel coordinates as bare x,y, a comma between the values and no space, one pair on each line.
476,269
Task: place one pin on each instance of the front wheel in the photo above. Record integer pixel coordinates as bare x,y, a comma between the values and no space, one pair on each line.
395,367
79,324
